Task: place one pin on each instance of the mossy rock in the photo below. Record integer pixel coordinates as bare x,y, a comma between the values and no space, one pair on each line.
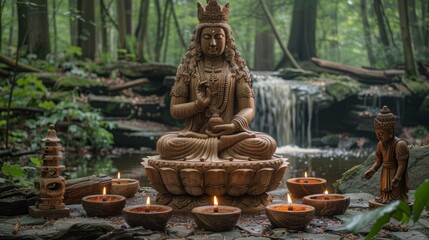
423,111
70,82
148,70
418,171
419,87
341,88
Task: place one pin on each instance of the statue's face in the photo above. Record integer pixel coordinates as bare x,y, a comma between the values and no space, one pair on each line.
213,41
383,135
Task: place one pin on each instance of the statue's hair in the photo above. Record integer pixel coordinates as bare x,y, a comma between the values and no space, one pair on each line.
194,54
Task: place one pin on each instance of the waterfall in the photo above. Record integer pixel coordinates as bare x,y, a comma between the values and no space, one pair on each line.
284,109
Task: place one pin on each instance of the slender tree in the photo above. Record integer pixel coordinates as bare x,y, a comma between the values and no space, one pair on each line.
103,28
302,37
86,29
367,33
38,28
120,4
141,30
264,43
73,20
1,22
425,26
383,29
22,8
410,64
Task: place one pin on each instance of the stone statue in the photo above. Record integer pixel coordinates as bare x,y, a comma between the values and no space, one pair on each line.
216,154
212,92
392,154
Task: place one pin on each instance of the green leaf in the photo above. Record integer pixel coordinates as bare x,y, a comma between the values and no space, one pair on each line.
361,220
421,199
12,170
36,161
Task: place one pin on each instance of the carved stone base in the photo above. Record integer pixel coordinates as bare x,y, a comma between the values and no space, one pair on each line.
185,203
184,185
51,213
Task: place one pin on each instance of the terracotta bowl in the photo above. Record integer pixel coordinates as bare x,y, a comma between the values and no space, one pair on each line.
300,187
296,218
154,219
95,207
224,220
327,205
126,187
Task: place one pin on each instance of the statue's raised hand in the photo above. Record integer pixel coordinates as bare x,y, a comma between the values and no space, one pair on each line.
203,96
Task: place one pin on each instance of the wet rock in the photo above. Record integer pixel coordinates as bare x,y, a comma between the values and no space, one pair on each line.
415,235
24,220
180,231
359,200
418,170
314,236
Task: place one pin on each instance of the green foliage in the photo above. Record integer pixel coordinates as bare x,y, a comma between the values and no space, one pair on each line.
37,161
16,174
398,210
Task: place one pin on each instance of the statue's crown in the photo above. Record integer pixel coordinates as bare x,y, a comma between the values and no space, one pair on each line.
213,12
385,118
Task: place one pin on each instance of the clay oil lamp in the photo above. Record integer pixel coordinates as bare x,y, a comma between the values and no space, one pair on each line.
300,187
153,217
216,218
126,187
290,216
103,205
327,205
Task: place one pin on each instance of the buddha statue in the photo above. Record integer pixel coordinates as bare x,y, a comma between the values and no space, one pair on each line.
212,91
392,155
216,153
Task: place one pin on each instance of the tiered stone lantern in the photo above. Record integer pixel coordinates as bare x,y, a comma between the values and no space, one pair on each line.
50,186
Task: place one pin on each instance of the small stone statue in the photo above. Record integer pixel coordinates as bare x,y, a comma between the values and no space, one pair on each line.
50,186
392,153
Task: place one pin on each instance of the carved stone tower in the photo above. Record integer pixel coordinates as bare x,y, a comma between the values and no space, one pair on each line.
50,186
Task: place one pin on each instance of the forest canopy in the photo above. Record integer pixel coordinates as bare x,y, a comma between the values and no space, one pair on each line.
352,32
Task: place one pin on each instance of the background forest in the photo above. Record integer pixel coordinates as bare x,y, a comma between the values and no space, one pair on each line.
69,42
353,32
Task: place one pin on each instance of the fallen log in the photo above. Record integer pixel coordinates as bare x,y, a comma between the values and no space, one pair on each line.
365,75
128,84
81,187
19,66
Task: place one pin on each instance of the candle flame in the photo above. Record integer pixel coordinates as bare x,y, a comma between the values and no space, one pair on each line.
119,175
104,191
305,174
215,203
289,199
148,201
326,191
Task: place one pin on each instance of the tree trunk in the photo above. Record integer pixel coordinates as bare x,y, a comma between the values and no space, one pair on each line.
128,4
264,45
54,25
161,28
176,23
425,27
86,29
142,29
73,22
103,14
367,33
302,37
287,55
410,65
22,7
379,13
38,28
1,23
11,28
120,4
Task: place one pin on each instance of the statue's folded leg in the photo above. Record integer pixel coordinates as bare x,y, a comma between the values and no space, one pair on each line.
260,147
173,146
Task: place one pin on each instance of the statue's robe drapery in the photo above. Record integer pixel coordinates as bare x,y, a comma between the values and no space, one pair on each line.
192,142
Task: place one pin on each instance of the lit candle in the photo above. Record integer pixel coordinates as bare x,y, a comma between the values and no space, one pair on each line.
119,177
305,177
215,203
289,202
104,195
147,208
326,195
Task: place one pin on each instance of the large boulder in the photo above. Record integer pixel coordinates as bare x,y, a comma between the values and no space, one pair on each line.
353,181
